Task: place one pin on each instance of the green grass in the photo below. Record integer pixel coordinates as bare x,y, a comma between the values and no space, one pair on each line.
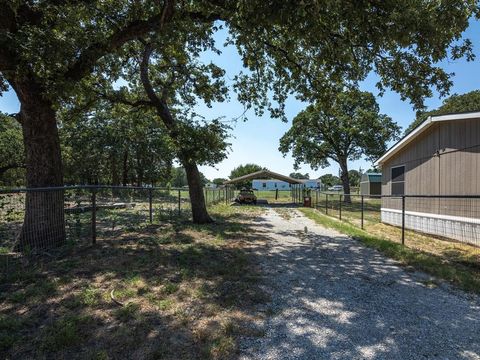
90,296
170,288
165,304
66,332
269,195
463,277
9,326
128,312
175,273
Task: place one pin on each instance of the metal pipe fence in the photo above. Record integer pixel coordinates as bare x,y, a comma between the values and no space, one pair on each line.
454,217
79,215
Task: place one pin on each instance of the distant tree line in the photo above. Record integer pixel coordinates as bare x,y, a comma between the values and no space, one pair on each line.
468,102
331,180
111,146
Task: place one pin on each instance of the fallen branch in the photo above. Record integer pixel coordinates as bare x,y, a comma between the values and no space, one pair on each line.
115,300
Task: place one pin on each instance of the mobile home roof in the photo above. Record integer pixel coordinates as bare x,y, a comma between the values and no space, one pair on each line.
422,128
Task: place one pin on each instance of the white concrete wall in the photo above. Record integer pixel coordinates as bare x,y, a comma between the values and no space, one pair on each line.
459,228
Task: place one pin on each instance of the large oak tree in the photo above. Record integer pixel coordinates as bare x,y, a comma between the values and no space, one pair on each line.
312,48
349,128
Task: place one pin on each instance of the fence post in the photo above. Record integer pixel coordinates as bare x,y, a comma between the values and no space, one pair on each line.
276,194
362,212
403,220
316,199
326,204
150,207
179,202
340,207
94,216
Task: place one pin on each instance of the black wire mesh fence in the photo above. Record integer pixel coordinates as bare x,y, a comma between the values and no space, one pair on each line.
449,217
46,218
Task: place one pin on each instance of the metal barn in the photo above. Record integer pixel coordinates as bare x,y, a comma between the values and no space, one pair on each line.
371,184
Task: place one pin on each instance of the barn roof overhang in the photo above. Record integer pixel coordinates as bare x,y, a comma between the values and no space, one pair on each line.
431,120
263,174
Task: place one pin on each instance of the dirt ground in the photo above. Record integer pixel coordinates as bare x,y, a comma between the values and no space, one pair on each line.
170,291
260,283
333,298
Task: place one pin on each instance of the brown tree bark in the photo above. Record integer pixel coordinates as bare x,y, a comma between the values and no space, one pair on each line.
197,199
345,181
44,215
195,189
114,169
44,223
139,169
125,168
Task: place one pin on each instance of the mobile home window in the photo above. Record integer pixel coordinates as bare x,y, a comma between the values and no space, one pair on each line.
264,185
398,180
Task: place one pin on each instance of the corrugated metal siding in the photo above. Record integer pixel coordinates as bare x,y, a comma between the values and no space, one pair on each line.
420,165
445,160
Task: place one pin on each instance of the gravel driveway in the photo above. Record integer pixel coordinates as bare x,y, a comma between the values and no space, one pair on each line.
333,298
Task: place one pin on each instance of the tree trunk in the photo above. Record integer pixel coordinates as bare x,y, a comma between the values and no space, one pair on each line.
44,222
125,168
345,183
140,169
197,199
114,169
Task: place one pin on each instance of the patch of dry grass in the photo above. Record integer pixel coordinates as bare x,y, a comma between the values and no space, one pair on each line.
454,262
450,251
169,291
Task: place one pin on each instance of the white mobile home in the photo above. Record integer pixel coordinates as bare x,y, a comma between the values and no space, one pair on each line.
270,185
439,160
312,183
259,184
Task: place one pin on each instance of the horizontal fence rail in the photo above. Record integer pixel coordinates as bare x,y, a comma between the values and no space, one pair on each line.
80,215
454,217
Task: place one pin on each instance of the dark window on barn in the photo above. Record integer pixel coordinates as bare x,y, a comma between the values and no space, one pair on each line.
398,180
264,185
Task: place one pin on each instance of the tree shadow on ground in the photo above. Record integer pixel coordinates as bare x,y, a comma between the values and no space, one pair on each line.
335,298
171,290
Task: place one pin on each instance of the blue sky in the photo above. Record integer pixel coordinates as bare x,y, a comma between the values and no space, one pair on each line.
256,140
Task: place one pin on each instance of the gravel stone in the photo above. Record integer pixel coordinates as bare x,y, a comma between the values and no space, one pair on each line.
333,298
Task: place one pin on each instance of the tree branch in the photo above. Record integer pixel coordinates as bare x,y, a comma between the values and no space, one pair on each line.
116,98
160,105
86,61
3,169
